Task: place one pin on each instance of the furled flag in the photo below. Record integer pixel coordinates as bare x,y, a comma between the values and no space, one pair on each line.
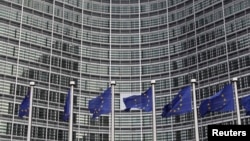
101,104
143,101
67,107
222,101
181,103
25,105
245,102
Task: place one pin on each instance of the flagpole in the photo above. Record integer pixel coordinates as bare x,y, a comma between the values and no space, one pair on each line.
112,111
32,84
235,79
193,81
72,83
153,106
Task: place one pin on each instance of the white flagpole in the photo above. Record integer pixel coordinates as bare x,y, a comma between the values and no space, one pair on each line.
153,107
113,111
32,84
193,81
235,79
72,83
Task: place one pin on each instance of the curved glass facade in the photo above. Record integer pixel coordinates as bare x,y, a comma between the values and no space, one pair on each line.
131,42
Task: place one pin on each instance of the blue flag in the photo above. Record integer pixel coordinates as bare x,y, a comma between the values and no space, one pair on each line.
180,104
24,107
245,102
67,107
143,101
222,101
101,104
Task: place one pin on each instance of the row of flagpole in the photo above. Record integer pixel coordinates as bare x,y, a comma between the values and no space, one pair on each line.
32,84
101,99
70,110
193,81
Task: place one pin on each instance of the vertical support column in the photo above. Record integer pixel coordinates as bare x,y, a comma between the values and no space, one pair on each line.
193,81
153,106
72,83
234,80
113,111
32,84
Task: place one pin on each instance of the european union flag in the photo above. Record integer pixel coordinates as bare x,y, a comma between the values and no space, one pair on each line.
180,104
67,107
101,104
143,101
245,102
222,101
24,107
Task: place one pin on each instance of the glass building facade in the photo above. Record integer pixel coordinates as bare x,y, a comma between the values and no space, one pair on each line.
132,42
